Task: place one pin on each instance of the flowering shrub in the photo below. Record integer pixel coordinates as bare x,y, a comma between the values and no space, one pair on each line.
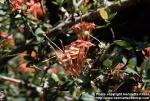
74,55
68,60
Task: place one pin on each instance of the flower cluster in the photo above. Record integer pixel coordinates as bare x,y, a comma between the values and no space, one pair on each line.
7,39
83,30
33,6
75,54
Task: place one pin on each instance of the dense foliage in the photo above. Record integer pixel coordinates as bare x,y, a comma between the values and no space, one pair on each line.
67,50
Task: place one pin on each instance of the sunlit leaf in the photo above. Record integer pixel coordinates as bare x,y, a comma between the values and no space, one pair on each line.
103,13
123,44
124,60
131,71
39,31
55,77
2,1
132,62
107,63
146,67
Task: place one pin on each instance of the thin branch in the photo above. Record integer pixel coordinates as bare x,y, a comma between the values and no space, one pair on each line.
91,16
77,4
115,90
16,81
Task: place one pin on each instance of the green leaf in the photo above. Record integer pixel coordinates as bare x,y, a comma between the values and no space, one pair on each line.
40,38
55,77
39,34
130,70
47,25
19,38
2,12
142,46
146,67
123,44
39,31
103,13
124,60
54,2
2,1
59,2
112,15
132,63
107,63
83,9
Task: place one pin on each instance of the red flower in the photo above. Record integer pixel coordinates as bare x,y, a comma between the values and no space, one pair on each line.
17,4
3,34
33,54
74,56
52,70
7,39
83,28
23,66
118,67
10,40
146,52
35,8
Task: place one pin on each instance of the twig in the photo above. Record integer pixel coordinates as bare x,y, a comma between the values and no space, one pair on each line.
91,16
115,90
16,81
77,4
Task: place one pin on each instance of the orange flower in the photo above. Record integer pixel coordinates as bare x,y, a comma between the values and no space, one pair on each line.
83,28
146,52
74,56
24,68
35,8
8,40
118,67
33,54
16,4
3,34
52,70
